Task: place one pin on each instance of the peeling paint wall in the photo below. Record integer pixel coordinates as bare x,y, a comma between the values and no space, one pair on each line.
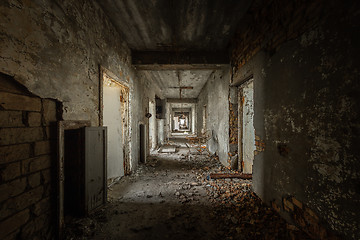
215,96
306,111
55,48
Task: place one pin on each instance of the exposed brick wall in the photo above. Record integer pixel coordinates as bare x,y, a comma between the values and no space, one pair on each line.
305,218
233,124
27,161
260,145
269,23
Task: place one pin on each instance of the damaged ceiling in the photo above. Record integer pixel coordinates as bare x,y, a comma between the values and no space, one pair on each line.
168,26
170,81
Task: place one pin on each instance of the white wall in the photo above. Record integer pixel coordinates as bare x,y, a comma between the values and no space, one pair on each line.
193,119
160,129
152,126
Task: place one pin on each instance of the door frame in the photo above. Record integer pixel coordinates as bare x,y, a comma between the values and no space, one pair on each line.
105,73
241,102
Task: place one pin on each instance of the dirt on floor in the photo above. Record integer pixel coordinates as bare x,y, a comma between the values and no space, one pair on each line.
172,197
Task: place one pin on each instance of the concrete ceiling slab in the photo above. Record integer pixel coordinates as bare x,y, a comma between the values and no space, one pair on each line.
176,24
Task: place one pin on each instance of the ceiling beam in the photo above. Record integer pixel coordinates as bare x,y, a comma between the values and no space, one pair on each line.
182,100
175,60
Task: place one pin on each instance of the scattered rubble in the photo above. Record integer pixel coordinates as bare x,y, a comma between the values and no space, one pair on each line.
172,196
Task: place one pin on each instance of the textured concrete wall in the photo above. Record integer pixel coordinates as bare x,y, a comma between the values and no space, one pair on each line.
54,48
306,115
215,95
161,131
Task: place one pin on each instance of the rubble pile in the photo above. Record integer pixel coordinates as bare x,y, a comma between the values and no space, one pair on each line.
242,215
173,196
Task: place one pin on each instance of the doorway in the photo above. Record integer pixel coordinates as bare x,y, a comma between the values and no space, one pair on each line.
142,143
246,132
115,115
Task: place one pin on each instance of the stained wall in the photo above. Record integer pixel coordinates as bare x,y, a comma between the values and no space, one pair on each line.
306,70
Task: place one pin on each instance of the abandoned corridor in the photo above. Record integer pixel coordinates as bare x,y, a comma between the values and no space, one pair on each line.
96,95
172,197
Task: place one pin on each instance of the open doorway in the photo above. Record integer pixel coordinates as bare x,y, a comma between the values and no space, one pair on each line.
115,115
246,132
143,150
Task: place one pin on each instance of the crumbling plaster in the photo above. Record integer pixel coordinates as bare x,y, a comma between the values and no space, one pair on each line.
215,95
55,48
306,111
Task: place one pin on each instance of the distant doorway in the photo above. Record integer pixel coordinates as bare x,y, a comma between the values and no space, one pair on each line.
142,143
181,122
246,132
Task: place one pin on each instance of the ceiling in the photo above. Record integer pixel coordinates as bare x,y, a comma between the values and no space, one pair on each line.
171,80
176,25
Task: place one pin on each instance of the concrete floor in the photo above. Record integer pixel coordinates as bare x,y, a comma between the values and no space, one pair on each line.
170,198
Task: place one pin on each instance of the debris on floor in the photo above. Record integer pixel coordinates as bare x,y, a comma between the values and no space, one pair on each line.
167,149
230,175
173,197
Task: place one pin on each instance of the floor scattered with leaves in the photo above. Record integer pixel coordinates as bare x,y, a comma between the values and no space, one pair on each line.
172,197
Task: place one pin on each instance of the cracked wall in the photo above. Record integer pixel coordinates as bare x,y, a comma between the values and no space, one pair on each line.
54,48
